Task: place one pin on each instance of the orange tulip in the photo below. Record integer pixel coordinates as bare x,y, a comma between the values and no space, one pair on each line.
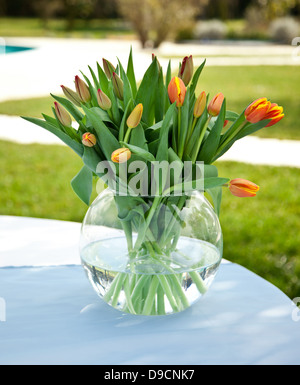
275,113
243,188
262,109
200,105
215,105
122,155
89,140
177,91
257,110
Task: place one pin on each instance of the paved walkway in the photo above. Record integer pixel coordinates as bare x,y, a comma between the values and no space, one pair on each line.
56,61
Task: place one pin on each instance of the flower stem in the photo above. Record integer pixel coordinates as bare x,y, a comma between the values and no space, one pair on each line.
151,296
198,282
126,139
179,126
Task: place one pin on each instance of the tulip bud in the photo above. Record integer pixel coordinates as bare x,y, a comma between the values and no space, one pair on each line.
122,155
215,105
177,91
62,115
108,68
89,140
118,86
103,100
200,105
135,117
82,90
186,70
71,95
243,188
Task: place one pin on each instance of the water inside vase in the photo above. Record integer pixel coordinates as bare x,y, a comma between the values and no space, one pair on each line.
145,285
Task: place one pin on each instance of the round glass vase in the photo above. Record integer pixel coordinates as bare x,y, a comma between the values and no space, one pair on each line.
151,256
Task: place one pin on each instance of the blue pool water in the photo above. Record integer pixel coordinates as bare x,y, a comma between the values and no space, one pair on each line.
12,49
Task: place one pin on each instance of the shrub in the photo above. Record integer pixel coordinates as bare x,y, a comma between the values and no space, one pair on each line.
212,30
284,30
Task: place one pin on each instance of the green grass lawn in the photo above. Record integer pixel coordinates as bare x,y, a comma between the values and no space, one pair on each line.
240,85
260,233
34,27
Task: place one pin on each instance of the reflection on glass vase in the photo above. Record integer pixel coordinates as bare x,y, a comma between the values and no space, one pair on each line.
151,256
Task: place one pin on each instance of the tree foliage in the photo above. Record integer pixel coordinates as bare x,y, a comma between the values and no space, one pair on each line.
267,10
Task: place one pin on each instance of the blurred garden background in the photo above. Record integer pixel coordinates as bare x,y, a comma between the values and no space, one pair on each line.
252,52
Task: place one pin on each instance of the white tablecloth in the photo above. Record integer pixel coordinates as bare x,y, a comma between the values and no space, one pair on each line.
53,316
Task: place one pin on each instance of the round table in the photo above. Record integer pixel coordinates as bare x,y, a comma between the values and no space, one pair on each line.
49,313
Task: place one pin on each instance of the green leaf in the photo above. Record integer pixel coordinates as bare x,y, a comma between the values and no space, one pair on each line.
237,123
252,128
137,137
102,79
210,183
147,92
82,184
127,204
103,115
127,92
96,81
51,120
146,155
106,139
184,124
247,130
152,133
212,142
210,171
162,151
168,74
124,119
216,195
176,162
196,134
73,144
160,99
231,116
114,105
195,79
189,186
91,159
131,75
69,106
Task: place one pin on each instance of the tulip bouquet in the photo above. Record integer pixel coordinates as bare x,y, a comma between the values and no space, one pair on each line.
111,122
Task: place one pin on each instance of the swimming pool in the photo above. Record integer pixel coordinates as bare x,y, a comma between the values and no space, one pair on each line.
7,49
